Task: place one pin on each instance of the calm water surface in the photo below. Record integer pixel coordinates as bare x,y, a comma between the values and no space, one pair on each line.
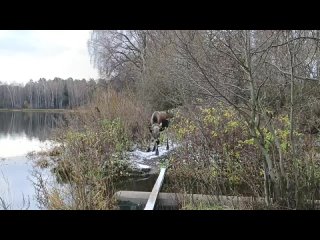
21,133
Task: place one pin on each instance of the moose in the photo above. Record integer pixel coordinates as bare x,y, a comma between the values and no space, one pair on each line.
159,121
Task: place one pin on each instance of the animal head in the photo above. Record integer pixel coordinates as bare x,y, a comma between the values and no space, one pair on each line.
155,130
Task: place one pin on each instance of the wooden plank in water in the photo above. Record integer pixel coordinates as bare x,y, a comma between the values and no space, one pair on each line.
155,191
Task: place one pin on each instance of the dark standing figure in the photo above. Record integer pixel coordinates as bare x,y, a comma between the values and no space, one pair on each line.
159,122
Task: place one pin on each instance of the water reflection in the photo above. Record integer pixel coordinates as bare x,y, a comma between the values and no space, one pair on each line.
20,133
31,124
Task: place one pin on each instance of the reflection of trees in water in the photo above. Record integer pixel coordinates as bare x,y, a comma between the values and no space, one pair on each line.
33,124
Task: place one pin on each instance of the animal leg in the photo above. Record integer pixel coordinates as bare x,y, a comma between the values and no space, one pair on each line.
157,150
154,145
149,145
167,141
151,141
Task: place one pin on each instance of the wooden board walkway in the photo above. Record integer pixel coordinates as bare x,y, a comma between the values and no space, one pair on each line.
155,191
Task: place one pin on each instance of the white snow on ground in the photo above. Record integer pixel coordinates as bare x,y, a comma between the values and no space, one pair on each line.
143,160
142,166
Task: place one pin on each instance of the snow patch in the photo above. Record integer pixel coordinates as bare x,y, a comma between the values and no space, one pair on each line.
139,158
142,166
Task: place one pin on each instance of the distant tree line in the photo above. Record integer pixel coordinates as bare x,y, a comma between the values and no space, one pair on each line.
48,94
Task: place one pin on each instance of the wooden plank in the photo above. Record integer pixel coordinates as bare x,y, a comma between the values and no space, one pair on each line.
155,191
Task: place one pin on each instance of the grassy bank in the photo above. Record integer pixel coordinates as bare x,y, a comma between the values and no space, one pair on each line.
92,155
218,156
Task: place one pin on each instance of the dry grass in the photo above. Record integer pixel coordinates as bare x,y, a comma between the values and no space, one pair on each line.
91,157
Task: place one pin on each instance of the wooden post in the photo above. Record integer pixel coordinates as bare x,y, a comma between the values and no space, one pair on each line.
155,191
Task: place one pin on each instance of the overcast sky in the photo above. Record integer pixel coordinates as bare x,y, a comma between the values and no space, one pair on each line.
35,54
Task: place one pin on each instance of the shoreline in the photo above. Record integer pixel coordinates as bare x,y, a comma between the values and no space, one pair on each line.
37,110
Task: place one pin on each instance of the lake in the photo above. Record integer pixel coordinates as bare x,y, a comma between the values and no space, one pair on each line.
21,133
24,132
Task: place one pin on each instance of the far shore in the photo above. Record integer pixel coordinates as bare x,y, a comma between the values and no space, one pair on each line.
37,110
